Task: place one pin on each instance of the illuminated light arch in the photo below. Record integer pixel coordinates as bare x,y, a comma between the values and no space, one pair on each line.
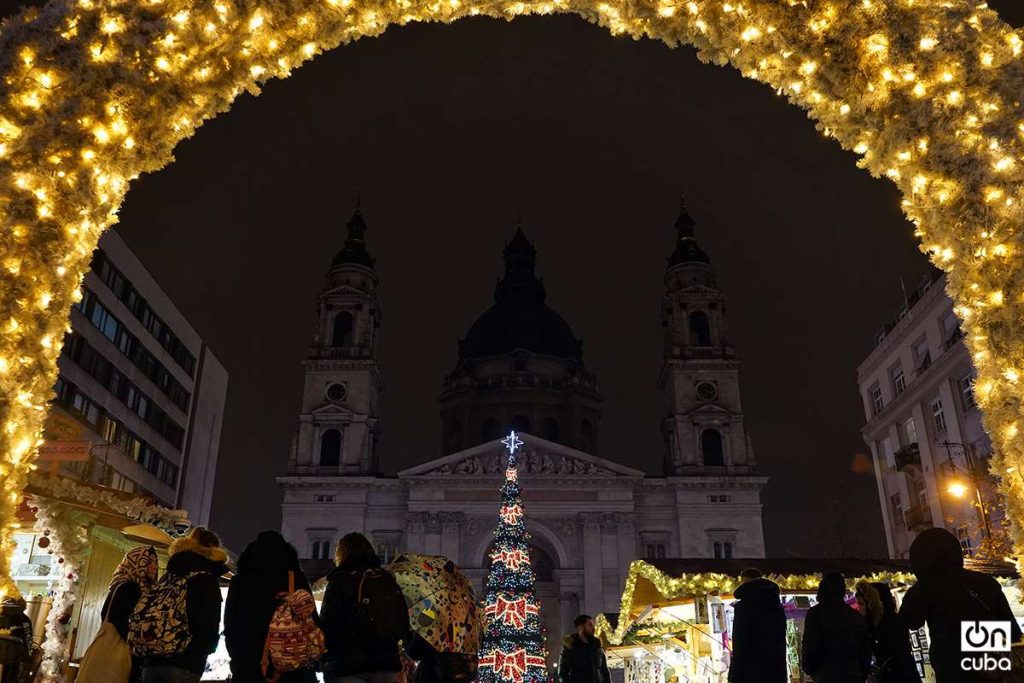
96,92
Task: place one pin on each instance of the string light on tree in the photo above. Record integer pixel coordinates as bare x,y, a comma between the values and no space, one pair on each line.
513,645
880,77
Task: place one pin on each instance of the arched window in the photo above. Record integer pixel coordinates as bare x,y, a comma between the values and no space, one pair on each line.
586,436
343,329
718,550
490,430
727,547
316,550
711,448
330,448
550,429
700,329
454,437
650,551
521,423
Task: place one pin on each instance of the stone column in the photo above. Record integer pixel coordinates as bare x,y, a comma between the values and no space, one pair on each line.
414,529
726,430
627,545
432,534
451,526
306,454
592,564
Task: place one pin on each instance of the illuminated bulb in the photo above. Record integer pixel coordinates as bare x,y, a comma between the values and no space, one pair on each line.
101,135
750,33
88,154
309,49
987,58
808,68
996,298
1011,375
947,76
692,6
844,109
992,194
861,148
947,254
256,71
877,43
256,21
954,97
666,11
1004,164
112,25
920,90
181,17
904,156
927,43
1011,430
163,64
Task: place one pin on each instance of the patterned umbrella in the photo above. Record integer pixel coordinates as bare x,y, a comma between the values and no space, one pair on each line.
442,604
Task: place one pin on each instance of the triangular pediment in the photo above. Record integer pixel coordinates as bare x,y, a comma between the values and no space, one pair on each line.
345,290
332,410
537,457
709,409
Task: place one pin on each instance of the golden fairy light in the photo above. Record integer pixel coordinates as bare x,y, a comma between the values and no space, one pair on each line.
936,109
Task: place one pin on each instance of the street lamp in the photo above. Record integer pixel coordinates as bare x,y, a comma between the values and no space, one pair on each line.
959,490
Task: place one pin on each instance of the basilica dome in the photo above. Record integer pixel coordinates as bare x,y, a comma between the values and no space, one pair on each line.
520,319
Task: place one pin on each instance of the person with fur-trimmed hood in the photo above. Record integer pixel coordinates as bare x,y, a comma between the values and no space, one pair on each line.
582,659
135,574
200,555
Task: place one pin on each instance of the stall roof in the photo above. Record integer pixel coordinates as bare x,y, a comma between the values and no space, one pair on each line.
659,583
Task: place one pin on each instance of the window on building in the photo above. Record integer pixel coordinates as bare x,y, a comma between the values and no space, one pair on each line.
330,448
700,329
386,552
711,448
899,383
718,498
521,423
650,551
966,544
550,429
587,440
321,498
922,355
951,333
718,550
966,385
727,550
910,431
877,404
938,416
659,550
897,510
490,430
343,328
887,452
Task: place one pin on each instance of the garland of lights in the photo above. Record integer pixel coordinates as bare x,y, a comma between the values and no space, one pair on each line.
711,583
512,650
69,544
96,92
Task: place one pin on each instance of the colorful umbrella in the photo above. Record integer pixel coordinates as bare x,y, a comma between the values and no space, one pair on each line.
442,604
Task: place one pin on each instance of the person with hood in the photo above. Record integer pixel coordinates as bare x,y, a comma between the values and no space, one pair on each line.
582,659
945,595
357,651
252,600
758,632
890,639
836,646
16,629
136,573
199,558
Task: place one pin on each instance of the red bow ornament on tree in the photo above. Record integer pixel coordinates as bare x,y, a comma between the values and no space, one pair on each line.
511,666
513,559
512,612
511,514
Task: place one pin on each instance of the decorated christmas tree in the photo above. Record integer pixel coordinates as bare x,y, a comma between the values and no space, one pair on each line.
513,644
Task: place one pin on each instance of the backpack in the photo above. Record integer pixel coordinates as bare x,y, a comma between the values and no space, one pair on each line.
294,641
455,667
158,626
380,606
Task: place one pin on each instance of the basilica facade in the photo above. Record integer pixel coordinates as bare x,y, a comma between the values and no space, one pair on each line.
521,367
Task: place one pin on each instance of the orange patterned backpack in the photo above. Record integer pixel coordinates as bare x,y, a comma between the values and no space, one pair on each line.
294,641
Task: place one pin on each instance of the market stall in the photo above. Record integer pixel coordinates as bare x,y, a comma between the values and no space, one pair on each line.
70,537
675,624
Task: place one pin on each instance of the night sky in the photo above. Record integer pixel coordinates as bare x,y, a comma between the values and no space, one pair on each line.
451,132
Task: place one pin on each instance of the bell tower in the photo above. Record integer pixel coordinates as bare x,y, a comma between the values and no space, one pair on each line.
703,425
338,422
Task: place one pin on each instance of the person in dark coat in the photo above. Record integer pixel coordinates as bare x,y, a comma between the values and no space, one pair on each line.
200,552
353,655
582,659
945,595
890,638
16,630
836,646
439,667
136,573
758,632
252,600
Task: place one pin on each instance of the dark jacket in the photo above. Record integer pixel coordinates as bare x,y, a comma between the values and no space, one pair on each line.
758,634
836,646
117,609
202,602
890,642
946,594
252,599
350,649
431,663
582,662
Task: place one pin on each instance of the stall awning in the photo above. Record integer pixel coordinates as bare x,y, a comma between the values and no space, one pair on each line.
660,583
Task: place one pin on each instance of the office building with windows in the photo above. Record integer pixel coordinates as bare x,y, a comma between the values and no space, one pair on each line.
140,397
923,428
